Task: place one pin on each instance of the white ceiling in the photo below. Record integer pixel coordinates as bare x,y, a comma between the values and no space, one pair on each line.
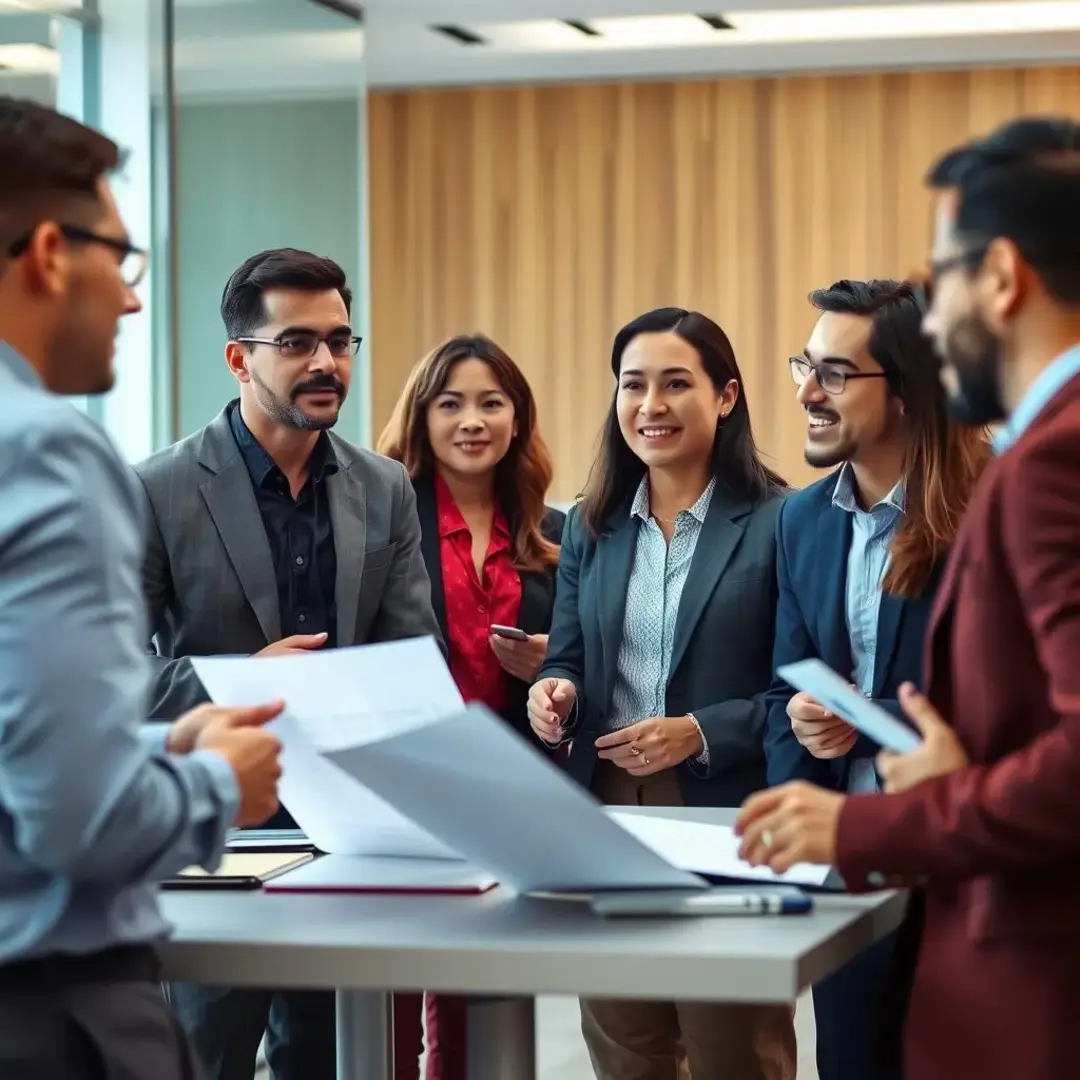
402,50
282,49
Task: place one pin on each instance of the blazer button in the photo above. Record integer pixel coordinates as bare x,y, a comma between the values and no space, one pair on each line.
876,880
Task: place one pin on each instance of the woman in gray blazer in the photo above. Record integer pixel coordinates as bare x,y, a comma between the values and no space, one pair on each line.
661,645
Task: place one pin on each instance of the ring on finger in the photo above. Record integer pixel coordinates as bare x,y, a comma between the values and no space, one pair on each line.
635,750
767,839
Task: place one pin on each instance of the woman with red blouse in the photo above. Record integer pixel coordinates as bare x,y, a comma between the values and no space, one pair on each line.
465,428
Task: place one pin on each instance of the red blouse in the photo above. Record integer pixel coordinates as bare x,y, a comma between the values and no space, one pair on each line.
473,605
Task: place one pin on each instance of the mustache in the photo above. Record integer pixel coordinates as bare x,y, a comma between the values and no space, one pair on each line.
319,384
825,414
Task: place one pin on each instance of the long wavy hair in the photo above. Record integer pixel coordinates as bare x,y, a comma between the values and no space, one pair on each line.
522,477
943,459
736,462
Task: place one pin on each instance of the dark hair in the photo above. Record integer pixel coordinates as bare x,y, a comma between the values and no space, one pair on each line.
617,470
943,459
242,307
522,477
1022,182
52,166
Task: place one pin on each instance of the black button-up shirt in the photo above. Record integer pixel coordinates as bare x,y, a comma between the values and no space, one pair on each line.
300,534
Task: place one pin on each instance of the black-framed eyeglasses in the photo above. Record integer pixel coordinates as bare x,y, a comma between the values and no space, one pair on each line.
304,344
830,378
923,284
133,260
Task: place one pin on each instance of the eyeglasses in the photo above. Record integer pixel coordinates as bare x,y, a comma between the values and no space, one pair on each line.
304,344
133,260
831,379
922,284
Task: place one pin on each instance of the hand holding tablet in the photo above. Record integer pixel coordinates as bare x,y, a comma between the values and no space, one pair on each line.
836,695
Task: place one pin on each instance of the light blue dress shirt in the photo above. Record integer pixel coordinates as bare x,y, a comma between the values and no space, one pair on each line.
653,593
868,560
92,809
1039,394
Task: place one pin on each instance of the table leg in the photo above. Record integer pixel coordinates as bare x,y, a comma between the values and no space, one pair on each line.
364,1036
502,1039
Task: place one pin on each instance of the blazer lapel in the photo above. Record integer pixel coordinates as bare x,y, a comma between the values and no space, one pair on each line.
830,567
719,537
890,619
431,547
535,610
347,519
231,501
614,562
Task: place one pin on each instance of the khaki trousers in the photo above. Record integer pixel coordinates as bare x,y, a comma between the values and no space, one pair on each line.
672,1040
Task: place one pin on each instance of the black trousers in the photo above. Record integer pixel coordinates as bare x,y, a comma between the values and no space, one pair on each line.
59,1024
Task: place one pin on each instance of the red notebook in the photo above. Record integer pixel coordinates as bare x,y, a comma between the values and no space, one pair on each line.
365,874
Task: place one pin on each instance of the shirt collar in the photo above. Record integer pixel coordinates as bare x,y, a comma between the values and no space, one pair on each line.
844,494
19,366
262,466
640,506
1039,394
451,520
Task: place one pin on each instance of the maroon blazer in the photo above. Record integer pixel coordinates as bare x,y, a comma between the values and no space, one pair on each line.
995,992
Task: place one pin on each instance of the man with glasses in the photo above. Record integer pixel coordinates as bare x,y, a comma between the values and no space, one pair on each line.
985,810
271,536
859,556
94,807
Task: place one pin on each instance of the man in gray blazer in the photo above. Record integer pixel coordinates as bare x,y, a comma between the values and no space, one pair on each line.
271,535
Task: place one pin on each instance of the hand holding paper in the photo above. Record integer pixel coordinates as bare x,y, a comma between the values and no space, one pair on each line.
839,697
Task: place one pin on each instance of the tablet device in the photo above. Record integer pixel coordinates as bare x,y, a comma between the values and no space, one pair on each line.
839,697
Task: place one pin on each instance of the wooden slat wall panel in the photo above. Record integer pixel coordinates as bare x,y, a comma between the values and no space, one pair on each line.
549,216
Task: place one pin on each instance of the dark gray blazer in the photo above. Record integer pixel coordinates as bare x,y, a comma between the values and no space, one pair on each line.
721,663
209,575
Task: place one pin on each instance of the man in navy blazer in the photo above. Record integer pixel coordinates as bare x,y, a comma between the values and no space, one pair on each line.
858,560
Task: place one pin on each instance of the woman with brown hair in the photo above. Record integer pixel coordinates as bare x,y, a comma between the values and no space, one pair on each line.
661,647
465,428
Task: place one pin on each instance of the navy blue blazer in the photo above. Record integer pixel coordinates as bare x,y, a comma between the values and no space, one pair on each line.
813,539
720,662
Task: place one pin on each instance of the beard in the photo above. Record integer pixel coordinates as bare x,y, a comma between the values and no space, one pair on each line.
827,456
974,355
286,411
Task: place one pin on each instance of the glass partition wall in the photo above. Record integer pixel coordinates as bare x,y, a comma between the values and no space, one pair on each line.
269,153
243,126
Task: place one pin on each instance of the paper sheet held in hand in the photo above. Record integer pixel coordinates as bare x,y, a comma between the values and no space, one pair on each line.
342,697
825,686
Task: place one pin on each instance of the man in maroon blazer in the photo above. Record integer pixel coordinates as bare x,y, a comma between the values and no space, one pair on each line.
986,811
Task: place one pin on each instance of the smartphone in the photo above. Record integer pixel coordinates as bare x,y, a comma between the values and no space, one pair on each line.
511,632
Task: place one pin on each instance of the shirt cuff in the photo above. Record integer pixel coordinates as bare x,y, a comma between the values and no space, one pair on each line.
218,812
700,762
155,737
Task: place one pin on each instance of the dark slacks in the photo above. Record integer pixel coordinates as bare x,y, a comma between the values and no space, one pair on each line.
225,1026
848,1013
92,1031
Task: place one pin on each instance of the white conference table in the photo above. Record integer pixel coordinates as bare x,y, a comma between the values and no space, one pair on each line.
503,950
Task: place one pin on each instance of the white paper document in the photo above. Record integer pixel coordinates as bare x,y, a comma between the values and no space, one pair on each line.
826,687
476,785
338,698
712,850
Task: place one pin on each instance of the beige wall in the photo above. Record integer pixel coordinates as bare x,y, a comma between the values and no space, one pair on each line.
547,217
